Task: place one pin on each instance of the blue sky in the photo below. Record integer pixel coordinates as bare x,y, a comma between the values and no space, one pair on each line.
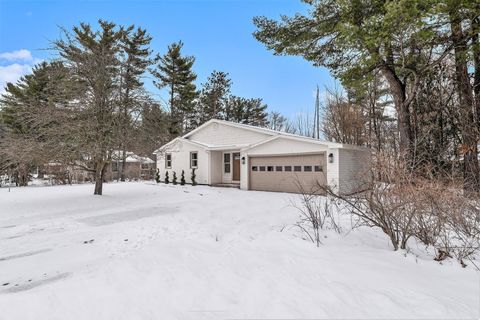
218,33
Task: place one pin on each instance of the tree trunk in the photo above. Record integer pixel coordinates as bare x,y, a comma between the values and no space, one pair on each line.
464,88
99,175
403,111
124,162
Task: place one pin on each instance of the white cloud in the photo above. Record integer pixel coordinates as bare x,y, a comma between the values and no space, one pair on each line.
12,73
18,55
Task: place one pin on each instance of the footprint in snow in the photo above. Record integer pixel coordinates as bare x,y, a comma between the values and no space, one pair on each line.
88,241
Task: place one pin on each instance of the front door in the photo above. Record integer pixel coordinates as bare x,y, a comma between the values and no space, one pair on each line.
236,166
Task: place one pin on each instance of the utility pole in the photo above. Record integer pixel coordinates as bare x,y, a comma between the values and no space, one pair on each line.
317,115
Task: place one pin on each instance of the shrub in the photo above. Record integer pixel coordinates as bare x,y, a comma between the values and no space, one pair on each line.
182,178
157,176
174,180
193,177
167,178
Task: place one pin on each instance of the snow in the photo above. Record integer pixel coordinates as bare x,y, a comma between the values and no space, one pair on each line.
148,251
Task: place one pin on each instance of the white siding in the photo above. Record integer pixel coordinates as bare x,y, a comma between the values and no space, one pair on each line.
353,169
220,134
216,167
181,160
283,146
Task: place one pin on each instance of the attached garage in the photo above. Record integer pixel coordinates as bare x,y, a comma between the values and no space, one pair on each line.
288,173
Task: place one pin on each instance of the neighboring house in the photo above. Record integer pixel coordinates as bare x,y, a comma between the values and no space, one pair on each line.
136,167
256,158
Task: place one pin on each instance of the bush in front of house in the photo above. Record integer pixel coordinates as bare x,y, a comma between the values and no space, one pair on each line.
157,176
167,179
182,178
193,177
174,180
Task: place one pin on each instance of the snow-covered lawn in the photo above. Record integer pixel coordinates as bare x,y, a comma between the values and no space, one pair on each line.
147,251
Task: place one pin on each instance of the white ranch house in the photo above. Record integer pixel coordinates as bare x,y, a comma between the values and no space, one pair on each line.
254,158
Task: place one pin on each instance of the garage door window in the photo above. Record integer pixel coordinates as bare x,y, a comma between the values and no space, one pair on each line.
278,168
307,168
288,168
270,168
262,168
297,168
254,168
318,169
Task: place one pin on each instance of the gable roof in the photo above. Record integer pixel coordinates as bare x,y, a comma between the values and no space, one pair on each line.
273,133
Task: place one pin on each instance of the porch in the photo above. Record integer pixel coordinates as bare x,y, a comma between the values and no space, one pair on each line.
225,168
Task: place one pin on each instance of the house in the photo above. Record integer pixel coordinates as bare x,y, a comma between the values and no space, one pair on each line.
136,167
255,158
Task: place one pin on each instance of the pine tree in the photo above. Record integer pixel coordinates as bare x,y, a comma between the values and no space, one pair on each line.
134,61
174,180
246,111
182,178
26,115
175,72
214,96
167,178
194,177
93,59
157,176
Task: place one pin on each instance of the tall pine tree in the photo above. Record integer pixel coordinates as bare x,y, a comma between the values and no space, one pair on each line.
174,71
135,59
214,96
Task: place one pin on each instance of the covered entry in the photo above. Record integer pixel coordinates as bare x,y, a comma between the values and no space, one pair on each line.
287,173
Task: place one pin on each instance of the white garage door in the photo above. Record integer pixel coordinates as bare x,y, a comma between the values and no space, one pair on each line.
287,173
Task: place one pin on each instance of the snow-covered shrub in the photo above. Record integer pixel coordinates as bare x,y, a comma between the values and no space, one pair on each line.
193,177
174,179
182,178
167,178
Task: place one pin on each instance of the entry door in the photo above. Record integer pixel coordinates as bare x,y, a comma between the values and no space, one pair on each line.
236,166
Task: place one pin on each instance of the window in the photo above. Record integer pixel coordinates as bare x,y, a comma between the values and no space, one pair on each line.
226,162
318,169
307,168
193,160
114,166
262,168
270,168
297,168
278,168
254,168
288,168
168,161
145,166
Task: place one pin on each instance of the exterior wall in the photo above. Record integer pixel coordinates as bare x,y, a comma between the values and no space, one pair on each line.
216,167
333,169
181,160
220,134
353,169
284,146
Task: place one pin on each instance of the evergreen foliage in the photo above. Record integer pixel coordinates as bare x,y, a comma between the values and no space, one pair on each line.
194,177
182,178
174,71
174,179
157,176
246,111
214,96
167,178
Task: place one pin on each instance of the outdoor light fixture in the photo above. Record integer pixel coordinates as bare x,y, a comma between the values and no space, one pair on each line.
330,158
243,160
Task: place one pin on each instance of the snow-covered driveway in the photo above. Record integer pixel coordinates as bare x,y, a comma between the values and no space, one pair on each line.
147,251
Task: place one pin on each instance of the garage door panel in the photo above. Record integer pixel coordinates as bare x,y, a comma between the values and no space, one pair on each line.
287,181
